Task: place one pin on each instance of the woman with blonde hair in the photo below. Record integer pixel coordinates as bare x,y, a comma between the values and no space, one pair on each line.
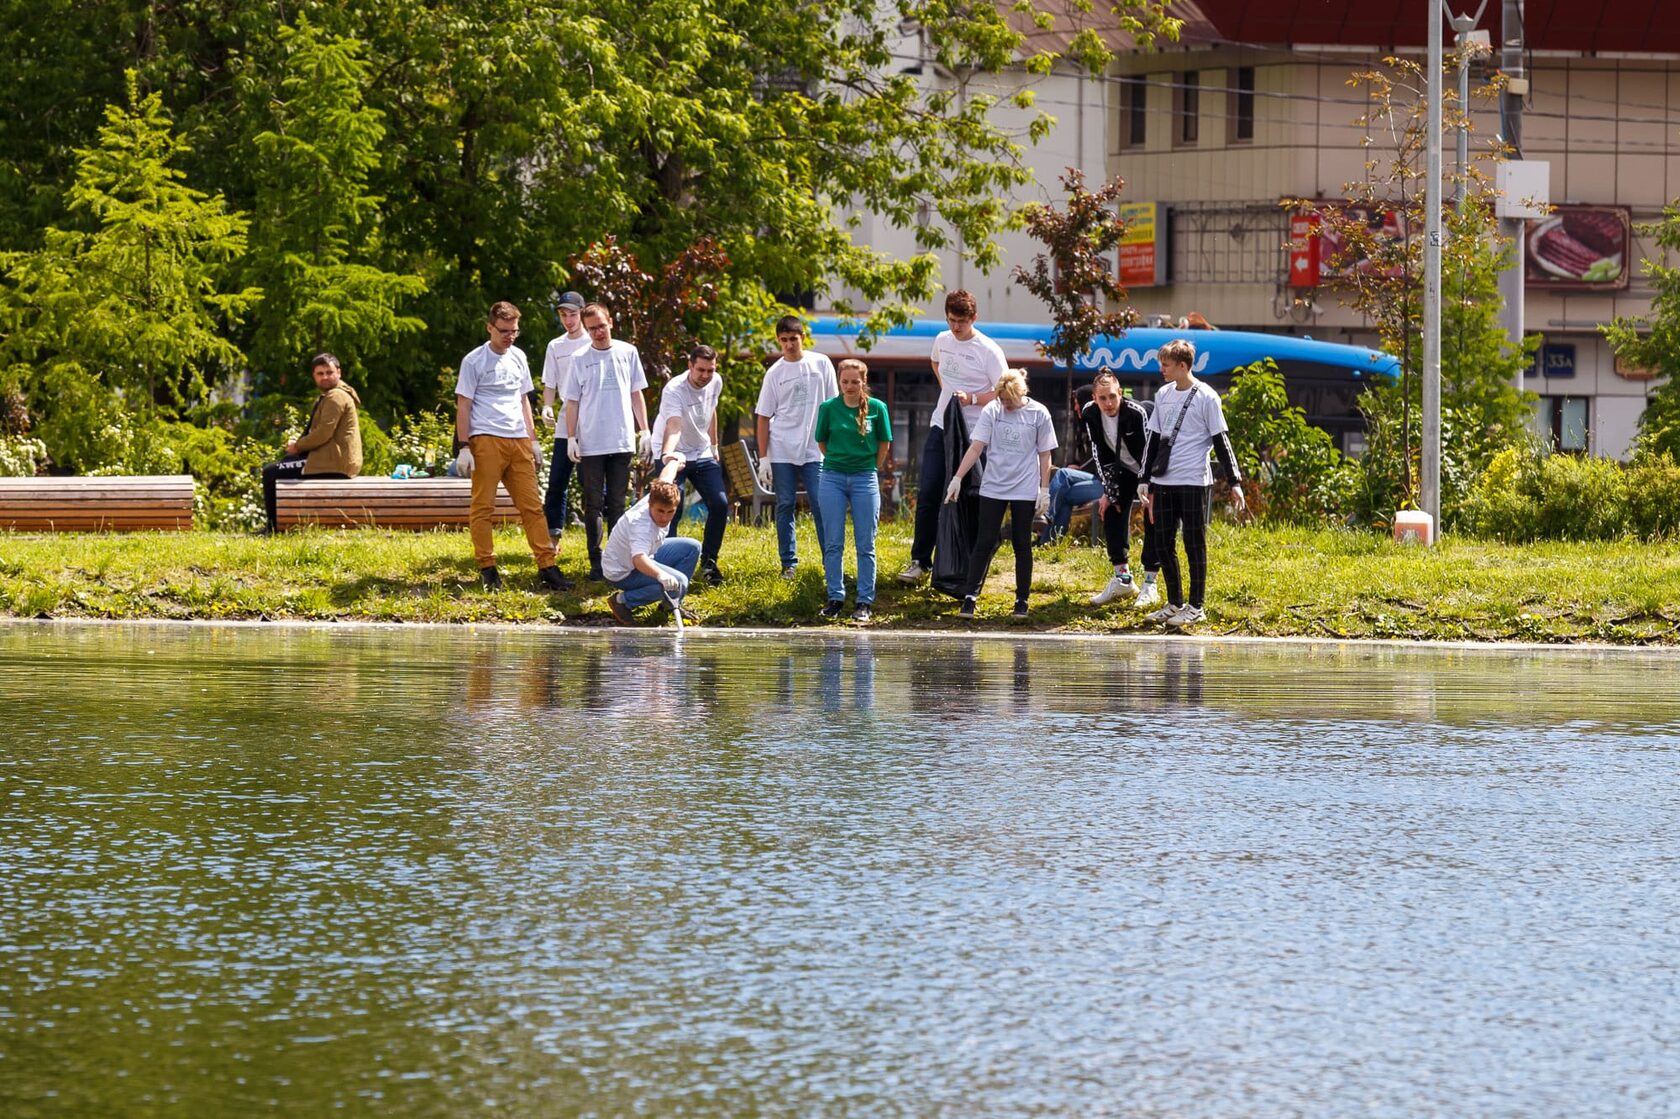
855,437
1016,435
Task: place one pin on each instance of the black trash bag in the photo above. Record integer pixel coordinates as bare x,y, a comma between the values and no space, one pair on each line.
959,520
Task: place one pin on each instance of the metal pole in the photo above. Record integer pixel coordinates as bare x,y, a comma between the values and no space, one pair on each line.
1431,472
1511,280
1463,27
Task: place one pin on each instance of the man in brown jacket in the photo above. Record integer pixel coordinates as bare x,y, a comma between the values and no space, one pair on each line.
332,447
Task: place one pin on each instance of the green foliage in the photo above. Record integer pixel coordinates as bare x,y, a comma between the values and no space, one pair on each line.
660,311
21,456
424,440
1529,494
1297,475
139,302
379,453
1073,277
1385,475
1653,490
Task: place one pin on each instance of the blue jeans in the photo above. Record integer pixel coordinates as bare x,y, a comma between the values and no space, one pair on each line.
787,477
1069,488
862,492
555,510
707,478
680,554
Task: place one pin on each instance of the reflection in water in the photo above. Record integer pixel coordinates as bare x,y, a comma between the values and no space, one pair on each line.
417,871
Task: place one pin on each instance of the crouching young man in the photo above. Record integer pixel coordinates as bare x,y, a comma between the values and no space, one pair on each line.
641,560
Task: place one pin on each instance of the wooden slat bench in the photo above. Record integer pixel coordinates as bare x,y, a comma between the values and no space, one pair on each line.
413,503
115,504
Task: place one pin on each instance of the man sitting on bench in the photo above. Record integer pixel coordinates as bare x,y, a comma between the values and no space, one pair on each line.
331,448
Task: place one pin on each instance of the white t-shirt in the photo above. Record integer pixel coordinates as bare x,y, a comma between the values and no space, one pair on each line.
973,366
792,393
601,382
695,408
635,534
556,360
1188,464
496,384
1013,442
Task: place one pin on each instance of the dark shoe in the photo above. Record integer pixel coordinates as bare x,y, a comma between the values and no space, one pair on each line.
551,578
710,574
832,610
491,578
966,610
1020,608
596,575
790,572
620,612
863,613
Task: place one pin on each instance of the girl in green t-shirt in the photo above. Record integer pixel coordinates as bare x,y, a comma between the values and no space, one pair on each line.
855,437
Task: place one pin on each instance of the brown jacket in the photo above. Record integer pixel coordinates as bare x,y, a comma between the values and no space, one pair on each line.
334,439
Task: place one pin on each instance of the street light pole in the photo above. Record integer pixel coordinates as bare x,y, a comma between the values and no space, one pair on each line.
1430,482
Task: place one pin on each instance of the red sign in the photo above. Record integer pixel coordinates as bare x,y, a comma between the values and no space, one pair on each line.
1303,251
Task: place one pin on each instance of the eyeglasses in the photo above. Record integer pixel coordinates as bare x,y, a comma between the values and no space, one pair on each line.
506,331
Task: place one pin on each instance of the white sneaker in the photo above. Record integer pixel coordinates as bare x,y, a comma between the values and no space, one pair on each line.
1149,596
1187,616
1120,586
1164,614
914,573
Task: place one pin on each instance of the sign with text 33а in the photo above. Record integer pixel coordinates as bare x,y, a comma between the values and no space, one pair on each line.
1143,248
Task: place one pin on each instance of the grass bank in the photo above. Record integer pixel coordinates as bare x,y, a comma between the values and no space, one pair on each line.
1265,582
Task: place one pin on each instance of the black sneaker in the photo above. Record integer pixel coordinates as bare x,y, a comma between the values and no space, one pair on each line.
551,578
966,610
832,610
1020,608
620,612
863,613
710,574
596,575
490,577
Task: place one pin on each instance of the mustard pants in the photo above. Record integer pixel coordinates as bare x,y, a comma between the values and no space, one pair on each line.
510,463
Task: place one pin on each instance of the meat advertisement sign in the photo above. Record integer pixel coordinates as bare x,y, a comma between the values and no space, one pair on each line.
1580,248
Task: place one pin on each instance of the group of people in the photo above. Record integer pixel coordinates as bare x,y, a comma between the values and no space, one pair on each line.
816,426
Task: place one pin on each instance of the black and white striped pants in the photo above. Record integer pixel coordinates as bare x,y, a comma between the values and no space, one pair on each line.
1185,506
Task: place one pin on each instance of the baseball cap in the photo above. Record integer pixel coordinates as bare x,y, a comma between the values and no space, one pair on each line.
569,301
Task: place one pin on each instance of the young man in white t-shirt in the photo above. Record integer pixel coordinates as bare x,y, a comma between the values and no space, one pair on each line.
687,424
643,560
795,386
606,416
558,358
493,422
1188,421
967,365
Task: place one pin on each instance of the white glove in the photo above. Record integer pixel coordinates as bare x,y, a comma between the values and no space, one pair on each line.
537,451
1238,501
464,462
671,581
952,490
573,450
548,414
766,476
644,445
1042,508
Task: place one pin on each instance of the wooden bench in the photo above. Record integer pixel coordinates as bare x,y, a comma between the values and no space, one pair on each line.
411,503
115,504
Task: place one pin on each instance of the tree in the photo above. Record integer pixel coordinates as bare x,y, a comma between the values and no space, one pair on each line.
1377,266
317,227
1074,278
1653,341
138,301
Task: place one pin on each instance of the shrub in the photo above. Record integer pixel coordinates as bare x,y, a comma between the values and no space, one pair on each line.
1381,481
1653,489
1297,474
1501,504
21,456
1581,498
425,440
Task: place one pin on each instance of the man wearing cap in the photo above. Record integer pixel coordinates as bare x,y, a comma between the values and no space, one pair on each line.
569,308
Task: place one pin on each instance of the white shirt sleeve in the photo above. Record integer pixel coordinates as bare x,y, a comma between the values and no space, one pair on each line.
1046,431
767,391
983,426
466,381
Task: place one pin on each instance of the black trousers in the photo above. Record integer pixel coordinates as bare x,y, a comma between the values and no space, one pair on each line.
1117,534
605,480
289,468
1183,507
992,510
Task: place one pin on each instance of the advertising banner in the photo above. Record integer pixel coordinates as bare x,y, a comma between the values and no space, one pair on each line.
1579,248
1143,246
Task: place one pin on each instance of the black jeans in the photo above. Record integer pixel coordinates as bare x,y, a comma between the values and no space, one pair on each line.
1185,506
930,494
605,480
706,475
289,468
1020,513
555,511
1117,534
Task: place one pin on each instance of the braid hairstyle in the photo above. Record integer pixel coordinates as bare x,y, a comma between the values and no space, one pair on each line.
863,423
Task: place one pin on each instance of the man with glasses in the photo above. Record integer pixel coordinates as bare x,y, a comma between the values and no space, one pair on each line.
493,422
558,358
606,416
967,365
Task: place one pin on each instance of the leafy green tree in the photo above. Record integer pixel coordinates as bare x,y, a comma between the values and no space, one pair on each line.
1073,276
1292,469
317,225
1653,341
136,303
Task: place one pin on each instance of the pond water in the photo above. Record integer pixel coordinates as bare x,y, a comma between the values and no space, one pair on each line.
444,872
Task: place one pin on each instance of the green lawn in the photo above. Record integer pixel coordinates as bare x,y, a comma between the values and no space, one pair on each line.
1264,581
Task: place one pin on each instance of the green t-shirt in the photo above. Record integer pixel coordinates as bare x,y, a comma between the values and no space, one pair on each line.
837,429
